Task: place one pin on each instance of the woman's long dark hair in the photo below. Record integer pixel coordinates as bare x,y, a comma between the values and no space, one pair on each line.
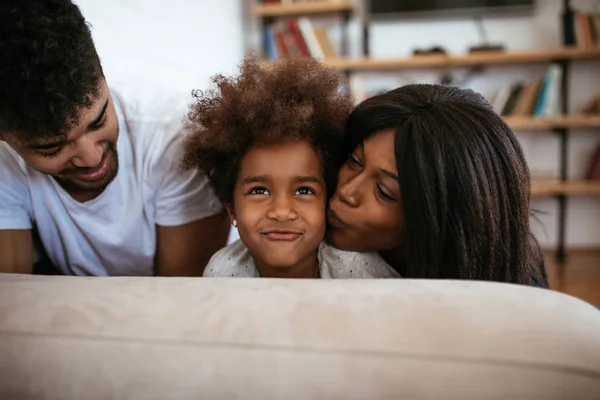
464,183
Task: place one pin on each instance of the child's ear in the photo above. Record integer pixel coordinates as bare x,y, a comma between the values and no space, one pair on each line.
230,212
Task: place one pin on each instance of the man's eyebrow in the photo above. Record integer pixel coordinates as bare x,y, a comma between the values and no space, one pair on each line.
100,116
47,146
254,179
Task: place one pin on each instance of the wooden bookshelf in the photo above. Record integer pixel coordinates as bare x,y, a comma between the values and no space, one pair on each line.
547,123
571,188
297,9
463,60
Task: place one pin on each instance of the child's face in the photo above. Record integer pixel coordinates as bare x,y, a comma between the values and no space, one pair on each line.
279,203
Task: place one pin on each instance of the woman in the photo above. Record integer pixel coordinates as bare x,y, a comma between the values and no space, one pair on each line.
437,183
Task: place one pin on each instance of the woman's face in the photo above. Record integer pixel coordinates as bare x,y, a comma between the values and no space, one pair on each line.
365,213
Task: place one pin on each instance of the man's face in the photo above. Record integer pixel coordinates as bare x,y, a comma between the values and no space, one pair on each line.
84,160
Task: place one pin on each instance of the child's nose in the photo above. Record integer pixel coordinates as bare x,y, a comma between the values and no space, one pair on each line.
282,209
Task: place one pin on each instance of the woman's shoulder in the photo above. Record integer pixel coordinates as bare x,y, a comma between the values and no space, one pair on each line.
232,260
340,264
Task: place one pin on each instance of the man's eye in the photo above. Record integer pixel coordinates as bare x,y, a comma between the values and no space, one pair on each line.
305,190
49,153
100,124
258,190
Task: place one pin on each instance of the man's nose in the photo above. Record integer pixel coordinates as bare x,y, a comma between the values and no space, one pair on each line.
89,153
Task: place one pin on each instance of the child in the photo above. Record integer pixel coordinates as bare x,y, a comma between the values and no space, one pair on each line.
267,140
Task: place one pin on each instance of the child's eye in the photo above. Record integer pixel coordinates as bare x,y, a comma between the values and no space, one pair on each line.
305,190
258,190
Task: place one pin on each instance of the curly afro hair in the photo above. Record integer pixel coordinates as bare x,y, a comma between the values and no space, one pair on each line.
50,68
291,99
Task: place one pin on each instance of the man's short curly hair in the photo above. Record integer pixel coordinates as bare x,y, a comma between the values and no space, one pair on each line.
49,67
293,99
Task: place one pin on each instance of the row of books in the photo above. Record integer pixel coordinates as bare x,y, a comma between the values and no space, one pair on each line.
581,29
297,37
540,98
295,1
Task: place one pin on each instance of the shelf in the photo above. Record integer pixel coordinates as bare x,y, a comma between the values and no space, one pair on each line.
481,58
288,10
547,123
550,188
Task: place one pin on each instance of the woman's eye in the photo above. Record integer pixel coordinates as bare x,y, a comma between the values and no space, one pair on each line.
383,194
258,190
304,191
353,161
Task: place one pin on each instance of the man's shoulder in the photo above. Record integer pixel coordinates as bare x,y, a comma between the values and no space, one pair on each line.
12,164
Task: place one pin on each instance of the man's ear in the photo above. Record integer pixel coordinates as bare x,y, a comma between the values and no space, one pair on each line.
231,212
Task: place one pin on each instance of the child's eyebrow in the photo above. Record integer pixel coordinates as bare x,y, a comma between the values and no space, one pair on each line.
254,179
307,179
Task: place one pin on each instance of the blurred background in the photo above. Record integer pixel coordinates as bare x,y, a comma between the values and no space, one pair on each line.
538,62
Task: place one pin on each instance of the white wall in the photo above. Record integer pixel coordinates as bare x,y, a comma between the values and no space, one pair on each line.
179,43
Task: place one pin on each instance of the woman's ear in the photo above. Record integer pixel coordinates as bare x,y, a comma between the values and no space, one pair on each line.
231,212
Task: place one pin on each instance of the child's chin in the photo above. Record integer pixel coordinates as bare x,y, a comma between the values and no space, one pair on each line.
282,262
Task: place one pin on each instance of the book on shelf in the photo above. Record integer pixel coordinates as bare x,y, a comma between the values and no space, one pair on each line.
538,98
594,106
297,1
297,37
594,169
580,28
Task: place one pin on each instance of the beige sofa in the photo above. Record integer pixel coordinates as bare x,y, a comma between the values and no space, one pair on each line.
172,338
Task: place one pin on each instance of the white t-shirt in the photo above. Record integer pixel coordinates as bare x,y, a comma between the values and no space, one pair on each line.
115,233
235,260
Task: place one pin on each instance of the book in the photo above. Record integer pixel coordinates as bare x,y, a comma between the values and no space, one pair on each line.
294,30
594,169
527,99
513,97
501,99
308,33
325,43
568,21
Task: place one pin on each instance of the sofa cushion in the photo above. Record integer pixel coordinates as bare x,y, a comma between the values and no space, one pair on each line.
189,338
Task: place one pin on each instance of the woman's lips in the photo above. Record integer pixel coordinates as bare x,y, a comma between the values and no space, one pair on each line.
333,219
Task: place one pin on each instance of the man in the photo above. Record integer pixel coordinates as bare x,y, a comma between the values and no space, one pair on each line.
95,175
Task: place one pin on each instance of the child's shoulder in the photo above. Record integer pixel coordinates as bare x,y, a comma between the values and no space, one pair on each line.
232,260
340,264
